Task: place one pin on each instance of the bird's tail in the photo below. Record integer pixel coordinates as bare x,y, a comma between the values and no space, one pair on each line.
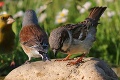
96,12
92,22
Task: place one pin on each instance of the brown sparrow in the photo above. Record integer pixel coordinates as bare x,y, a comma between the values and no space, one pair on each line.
76,38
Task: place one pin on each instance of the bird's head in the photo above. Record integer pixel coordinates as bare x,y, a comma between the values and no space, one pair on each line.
55,47
6,19
29,18
57,38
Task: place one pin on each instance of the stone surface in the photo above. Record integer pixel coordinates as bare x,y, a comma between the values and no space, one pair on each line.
91,69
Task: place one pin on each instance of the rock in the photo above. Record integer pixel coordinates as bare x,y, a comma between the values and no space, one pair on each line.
90,69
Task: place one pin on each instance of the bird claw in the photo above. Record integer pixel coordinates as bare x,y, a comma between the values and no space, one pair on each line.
27,62
45,57
72,63
75,63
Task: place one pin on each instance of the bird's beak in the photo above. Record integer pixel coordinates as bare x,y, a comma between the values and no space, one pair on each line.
55,52
10,20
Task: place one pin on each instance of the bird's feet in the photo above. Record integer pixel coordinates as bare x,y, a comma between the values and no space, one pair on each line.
27,62
65,59
45,57
80,60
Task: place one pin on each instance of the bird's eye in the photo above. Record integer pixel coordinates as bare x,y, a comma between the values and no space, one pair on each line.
11,16
2,18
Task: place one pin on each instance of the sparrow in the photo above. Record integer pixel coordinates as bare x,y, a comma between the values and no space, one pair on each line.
76,38
33,39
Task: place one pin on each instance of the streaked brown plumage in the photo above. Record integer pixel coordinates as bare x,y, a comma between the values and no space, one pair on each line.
77,38
33,38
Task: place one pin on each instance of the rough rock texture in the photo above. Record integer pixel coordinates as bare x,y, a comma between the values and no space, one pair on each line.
91,69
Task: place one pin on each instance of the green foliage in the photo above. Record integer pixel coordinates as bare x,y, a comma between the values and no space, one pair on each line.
106,47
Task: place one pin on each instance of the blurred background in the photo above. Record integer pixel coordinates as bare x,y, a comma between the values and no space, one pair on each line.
54,13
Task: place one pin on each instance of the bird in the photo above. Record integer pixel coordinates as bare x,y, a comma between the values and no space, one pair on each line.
33,39
7,36
76,38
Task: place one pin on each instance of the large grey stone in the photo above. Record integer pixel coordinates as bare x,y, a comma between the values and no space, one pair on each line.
91,69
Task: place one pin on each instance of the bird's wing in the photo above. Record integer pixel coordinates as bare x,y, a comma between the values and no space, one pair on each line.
80,30
33,36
